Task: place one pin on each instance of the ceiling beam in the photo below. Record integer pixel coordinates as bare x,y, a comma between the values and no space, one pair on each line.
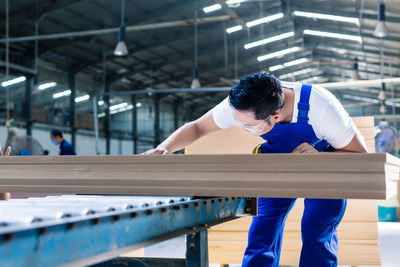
46,8
232,14
324,10
186,37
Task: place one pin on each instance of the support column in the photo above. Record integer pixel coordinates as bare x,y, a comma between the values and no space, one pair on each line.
107,118
157,138
176,114
71,84
197,249
134,125
28,104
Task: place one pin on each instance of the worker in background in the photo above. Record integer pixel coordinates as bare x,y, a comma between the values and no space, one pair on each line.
292,118
66,148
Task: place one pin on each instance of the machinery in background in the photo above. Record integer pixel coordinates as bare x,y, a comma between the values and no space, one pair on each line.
24,145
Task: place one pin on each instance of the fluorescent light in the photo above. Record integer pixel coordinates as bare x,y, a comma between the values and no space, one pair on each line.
82,98
295,62
13,81
264,20
269,40
296,73
364,99
232,2
100,103
279,53
119,106
255,22
234,29
212,8
118,110
45,86
333,49
326,16
314,79
334,35
138,105
276,67
121,109
288,64
61,94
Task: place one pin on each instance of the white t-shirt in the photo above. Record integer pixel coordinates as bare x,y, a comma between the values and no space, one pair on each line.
327,116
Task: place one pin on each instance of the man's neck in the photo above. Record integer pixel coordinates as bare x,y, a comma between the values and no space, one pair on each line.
287,109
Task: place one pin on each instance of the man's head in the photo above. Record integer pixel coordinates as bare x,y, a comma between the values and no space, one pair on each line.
257,100
56,136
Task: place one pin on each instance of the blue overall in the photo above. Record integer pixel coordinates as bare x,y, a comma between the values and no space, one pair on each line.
320,218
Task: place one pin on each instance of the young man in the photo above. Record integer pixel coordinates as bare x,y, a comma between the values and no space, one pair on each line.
66,148
292,118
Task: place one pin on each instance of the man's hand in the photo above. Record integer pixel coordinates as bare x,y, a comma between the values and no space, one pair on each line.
156,151
305,148
7,151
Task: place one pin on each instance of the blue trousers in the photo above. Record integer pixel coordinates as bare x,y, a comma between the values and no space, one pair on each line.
318,230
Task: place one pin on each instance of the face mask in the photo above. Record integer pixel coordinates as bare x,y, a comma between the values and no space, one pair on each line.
54,142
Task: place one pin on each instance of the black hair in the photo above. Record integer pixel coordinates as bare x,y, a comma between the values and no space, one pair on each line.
56,132
260,93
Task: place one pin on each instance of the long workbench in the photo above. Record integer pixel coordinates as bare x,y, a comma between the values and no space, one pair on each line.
79,230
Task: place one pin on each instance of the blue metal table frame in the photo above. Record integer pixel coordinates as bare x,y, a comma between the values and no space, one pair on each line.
96,238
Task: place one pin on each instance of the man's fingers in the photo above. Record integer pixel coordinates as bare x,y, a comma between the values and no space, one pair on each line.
155,151
305,148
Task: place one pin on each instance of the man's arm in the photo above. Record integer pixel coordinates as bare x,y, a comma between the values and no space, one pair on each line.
186,135
355,145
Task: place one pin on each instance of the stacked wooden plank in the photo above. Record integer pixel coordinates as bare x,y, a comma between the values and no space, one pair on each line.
358,236
366,127
398,199
325,175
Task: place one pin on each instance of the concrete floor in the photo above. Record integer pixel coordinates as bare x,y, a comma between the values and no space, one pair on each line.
389,241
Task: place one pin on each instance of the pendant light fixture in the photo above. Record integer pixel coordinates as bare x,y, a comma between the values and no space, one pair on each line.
121,49
355,75
195,83
382,98
381,30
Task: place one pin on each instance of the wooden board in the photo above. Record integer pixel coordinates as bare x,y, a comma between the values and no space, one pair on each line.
226,141
322,175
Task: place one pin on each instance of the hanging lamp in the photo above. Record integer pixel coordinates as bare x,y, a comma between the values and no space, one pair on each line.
121,49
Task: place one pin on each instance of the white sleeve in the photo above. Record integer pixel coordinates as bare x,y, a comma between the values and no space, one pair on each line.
337,127
223,115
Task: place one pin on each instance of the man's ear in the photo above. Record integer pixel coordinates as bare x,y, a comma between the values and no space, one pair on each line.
277,115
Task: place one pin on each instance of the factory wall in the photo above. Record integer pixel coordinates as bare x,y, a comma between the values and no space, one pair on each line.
85,144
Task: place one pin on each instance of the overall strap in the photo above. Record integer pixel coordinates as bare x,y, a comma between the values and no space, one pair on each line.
304,105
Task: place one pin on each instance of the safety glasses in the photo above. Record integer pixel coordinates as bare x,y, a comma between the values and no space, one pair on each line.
257,129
